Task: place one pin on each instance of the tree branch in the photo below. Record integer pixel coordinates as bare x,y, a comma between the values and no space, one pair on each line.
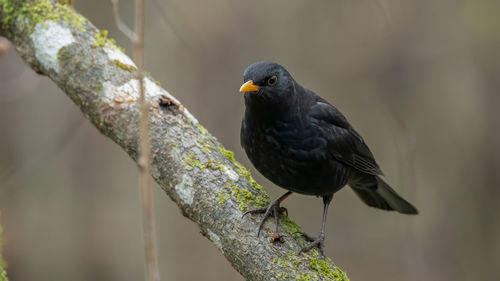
191,166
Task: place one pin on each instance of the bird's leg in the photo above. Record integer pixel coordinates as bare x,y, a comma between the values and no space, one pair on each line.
320,240
273,209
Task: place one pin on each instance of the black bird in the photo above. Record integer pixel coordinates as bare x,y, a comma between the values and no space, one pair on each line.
304,144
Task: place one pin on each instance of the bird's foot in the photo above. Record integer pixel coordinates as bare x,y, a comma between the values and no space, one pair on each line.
272,210
318,242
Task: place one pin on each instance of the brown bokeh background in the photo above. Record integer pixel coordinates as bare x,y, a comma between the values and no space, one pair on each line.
420,80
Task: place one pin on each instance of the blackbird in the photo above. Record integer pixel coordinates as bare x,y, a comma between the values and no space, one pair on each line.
304,144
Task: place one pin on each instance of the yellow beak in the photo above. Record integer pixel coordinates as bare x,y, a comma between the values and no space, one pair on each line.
249,87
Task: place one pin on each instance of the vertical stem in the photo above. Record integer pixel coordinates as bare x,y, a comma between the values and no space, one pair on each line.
144,161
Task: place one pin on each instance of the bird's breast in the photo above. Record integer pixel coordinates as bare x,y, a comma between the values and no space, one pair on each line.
292,155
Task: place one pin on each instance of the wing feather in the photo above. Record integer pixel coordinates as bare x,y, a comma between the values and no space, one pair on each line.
344,143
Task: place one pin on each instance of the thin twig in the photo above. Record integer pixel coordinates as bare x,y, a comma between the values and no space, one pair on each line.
148,222
144,160
131,35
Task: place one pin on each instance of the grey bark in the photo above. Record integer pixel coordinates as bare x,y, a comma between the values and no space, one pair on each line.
190,165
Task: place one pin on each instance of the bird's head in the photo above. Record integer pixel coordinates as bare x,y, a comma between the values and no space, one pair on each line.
268,84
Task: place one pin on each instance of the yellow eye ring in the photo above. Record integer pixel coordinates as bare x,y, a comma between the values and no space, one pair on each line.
272,80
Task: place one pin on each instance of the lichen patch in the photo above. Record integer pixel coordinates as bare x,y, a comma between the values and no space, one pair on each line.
48,38
231,174
216,239
185,189
123,95
114,54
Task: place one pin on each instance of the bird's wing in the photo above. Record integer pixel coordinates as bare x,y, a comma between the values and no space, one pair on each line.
344,143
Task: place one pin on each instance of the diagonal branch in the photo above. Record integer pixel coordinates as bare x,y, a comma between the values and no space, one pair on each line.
192,167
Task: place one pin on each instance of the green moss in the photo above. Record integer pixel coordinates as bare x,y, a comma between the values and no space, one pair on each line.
229,154
222,197
205,143
322,270
211,164
64,55
262,201
202,129
214,165
342,276
221,167
39,12
294,260
191,161
290,226
3,275
322,267
124,66
245,173
283,262
327,271
206,148
102,40
288,261
307,277
282,275
243,197
9,11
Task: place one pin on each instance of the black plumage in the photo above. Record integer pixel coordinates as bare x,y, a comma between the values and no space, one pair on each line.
304,144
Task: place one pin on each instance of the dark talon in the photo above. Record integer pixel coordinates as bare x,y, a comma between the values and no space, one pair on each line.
318,242
273,209
256,211
315,241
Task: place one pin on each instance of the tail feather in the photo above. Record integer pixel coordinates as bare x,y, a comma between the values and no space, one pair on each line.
372,199
375,192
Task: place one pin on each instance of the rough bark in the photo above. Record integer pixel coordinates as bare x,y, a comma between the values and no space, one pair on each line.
209,186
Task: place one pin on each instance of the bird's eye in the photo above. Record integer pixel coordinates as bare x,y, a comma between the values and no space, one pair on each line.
272,80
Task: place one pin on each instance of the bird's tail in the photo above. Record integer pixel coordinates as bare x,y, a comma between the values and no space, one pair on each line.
375,192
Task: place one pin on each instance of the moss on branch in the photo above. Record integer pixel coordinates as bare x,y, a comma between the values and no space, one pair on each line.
40,11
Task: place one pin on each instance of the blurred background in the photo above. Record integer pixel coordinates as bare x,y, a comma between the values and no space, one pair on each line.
420,80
